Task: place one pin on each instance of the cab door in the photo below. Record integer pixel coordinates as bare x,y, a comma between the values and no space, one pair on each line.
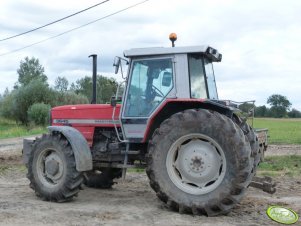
150,81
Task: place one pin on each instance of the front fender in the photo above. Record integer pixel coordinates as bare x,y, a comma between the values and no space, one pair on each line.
80,147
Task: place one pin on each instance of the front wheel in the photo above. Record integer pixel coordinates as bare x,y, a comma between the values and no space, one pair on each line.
199,162
52,170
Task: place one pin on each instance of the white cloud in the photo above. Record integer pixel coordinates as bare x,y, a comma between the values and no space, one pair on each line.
259,40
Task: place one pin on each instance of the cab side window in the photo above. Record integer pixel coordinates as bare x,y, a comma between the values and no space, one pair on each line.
197,76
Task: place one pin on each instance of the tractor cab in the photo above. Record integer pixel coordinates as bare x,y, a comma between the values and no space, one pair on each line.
157,76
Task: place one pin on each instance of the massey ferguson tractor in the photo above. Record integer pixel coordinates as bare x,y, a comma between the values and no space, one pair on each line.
200,155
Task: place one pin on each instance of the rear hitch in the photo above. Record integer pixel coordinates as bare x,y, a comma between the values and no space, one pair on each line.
266,184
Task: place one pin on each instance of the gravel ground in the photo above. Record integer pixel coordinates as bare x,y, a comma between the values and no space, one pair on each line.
130,202
283,150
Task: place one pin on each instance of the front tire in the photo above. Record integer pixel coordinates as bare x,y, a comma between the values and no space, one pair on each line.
199,162
52,170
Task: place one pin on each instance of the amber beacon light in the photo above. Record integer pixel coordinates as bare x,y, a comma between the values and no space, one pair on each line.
173,38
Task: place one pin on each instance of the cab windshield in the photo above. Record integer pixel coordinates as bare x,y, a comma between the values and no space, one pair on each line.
151,81
212,91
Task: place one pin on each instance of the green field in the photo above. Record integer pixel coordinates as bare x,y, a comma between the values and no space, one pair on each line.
281,131
10,129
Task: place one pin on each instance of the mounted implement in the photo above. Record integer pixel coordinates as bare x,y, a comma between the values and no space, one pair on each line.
200,155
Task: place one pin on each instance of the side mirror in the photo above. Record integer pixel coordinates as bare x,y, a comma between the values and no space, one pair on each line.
115,101
116,64
166,79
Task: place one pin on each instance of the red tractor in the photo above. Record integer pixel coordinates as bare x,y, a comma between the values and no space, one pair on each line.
200,155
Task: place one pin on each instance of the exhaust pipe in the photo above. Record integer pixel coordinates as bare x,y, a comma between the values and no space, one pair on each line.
94,56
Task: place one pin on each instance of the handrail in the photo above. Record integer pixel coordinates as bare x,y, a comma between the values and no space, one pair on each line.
119,119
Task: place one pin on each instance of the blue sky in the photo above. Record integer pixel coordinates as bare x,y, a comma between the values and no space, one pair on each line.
259,40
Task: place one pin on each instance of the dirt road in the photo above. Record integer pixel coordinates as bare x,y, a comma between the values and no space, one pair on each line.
129,203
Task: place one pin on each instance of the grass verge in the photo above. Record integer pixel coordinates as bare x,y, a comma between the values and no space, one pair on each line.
9,129
288,165
7,168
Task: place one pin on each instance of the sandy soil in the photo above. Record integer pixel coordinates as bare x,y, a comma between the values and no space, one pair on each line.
131,202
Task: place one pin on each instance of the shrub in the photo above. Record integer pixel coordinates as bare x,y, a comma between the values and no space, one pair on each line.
34,92
8,106
39,113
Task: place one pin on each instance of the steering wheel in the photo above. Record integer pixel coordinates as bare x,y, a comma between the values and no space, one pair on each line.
157,91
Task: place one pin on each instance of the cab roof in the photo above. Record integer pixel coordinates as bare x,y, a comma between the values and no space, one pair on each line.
210,52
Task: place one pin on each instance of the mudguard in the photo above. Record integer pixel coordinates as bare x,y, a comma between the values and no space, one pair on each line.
80,147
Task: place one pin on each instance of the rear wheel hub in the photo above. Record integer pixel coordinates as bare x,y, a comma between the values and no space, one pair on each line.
196,164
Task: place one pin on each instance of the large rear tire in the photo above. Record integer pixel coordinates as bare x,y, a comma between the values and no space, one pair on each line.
255,149
52,170
103,178
199,162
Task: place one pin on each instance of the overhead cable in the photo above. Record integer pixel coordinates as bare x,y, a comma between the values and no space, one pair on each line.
73,29
56,21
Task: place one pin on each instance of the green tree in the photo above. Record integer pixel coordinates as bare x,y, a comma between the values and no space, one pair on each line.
294,113
70,97
35,92
106,88
30,69
279,105
73,87
8,105
6,92
65,96
61,84
261,111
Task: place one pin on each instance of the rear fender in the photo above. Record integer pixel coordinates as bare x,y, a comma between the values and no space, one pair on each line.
172,106
80,147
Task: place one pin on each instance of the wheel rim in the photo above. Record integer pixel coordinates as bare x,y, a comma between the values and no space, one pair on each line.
196,164
50,168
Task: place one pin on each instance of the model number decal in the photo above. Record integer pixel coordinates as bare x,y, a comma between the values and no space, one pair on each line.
62,121
86,121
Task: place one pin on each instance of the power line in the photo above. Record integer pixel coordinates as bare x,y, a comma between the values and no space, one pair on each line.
73,29
66,17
